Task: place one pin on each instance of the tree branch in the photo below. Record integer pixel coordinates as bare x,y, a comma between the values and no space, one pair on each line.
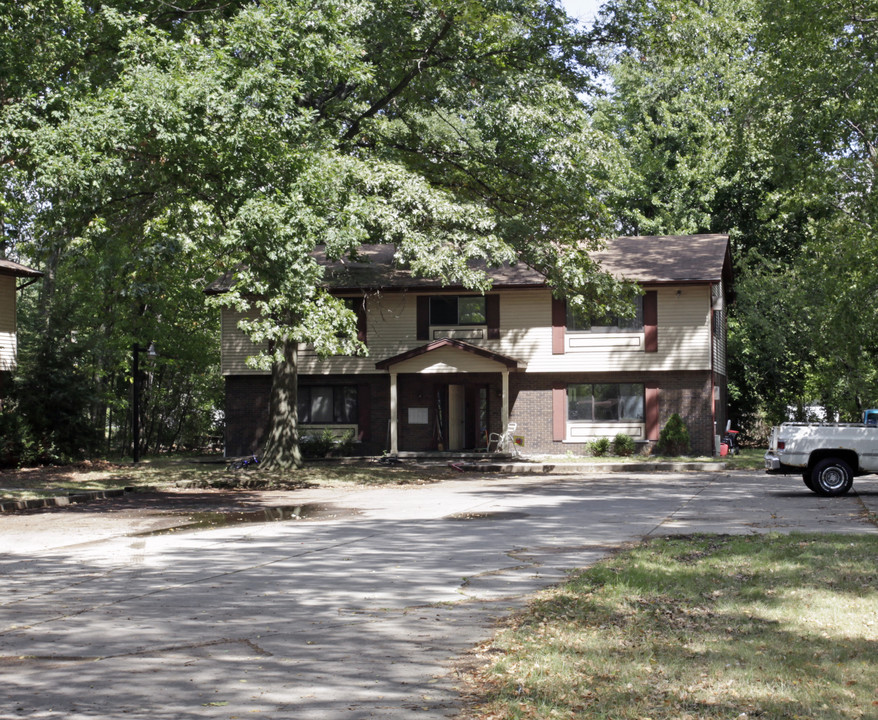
403,83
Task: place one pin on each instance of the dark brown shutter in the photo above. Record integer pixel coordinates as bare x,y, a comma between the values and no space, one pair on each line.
651,391
364,411
360,310
423,317
492,316
559,325
559,413
650,321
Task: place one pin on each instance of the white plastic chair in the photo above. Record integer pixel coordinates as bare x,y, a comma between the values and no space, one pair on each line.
504,442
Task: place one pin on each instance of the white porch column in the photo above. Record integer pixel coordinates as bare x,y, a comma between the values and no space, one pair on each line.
394,411
504,412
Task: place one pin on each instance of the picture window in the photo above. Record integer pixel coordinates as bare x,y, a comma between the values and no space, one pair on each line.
605,402
327,404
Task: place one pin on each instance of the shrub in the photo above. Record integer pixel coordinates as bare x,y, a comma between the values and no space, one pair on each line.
317,446
623,445
344,445
19,445
674,437
599,447
326,444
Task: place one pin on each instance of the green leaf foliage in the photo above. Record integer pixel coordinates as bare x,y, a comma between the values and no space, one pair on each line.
242,136
674,437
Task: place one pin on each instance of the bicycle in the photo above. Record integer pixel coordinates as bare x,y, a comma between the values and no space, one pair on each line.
248,463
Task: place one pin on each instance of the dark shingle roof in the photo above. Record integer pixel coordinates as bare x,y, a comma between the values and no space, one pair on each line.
7,267
666,258
643,259
378,268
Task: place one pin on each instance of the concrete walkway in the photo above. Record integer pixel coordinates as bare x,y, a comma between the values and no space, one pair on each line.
359,614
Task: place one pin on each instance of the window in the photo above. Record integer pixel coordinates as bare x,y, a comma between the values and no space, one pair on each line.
327,404
605,402
577,323
458,310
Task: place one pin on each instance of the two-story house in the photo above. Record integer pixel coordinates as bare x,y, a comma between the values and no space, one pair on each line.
9,273
447,366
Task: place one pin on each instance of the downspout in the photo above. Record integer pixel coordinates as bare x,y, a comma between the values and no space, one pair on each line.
713,373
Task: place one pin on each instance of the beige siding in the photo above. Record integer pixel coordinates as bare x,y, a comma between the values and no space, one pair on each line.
391,328
448,360
8,343
236,346
684,338
525,325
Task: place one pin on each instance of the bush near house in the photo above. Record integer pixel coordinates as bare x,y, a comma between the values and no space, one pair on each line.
674,438
623,445
599,447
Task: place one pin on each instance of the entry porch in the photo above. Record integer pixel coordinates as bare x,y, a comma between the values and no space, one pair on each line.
447,395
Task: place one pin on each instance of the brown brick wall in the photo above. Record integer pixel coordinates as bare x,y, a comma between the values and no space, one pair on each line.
247,402
688,393
246,413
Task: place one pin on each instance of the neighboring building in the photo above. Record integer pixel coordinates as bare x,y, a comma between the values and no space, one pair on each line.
448,366
10,272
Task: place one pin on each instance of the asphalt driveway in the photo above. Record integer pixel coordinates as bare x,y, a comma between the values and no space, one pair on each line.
354,607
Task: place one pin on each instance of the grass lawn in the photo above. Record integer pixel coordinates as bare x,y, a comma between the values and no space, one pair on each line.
697,628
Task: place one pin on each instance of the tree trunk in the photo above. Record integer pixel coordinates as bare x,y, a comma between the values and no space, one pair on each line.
281,451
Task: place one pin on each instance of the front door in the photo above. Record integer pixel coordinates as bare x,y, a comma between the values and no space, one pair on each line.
457,417
467,416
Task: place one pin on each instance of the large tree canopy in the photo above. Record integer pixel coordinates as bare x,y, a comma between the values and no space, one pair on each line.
756,117
252,132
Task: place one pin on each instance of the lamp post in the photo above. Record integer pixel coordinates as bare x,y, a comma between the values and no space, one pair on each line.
135,401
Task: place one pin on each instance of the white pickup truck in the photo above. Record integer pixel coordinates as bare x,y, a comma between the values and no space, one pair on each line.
827,455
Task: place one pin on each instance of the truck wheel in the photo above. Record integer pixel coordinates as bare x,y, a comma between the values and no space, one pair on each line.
809,483
832,477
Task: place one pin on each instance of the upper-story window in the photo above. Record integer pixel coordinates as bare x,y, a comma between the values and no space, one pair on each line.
577,323
464,317
458,310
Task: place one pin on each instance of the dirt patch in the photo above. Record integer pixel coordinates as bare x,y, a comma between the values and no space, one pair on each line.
80,473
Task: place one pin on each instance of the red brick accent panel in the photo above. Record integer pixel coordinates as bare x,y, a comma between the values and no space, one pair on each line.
650,321
559,325
559,413
652,411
